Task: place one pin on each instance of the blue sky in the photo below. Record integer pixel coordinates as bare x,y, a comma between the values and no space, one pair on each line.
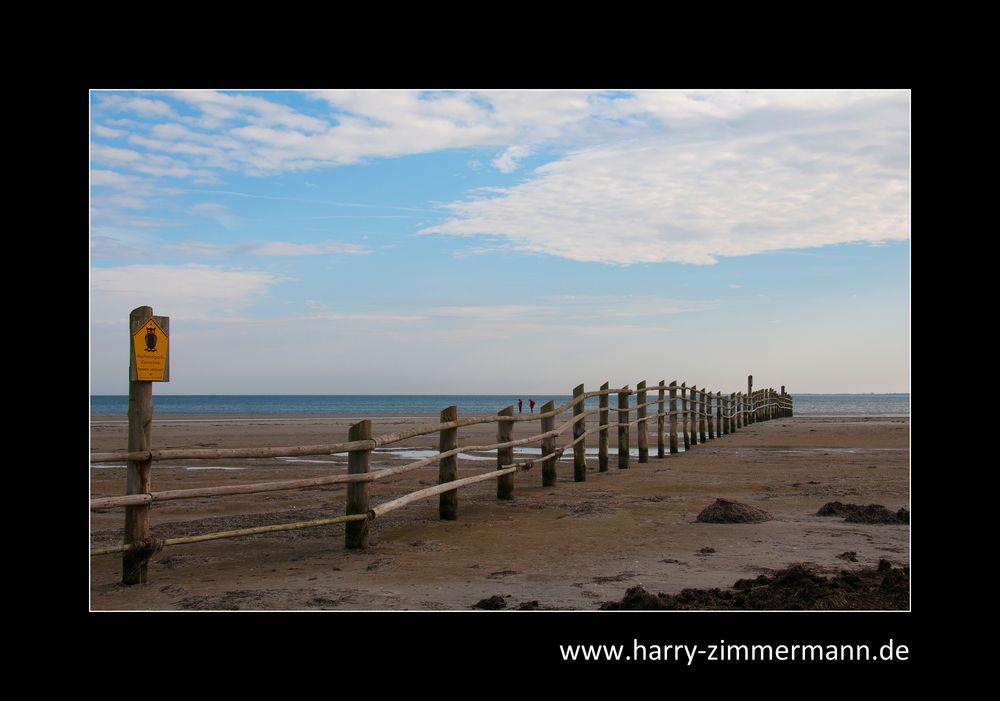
383,242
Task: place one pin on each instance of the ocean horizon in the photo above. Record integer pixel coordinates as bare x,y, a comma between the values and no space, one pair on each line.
872,404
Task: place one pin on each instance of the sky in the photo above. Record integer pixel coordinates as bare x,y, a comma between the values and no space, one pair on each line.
503,242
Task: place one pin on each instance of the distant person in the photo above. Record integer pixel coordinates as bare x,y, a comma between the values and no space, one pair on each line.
532,403
519,405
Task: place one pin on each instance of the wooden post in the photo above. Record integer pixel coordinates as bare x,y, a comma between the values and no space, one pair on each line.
783,407
505,456
684,413
602,435
448,467
710,419
739,410
713,421
673,418
623,429
137,473
694,415
358,462
718,414
707,398
791,405
548,445
579,449
731,405
703,425
750,407
640,413
660,447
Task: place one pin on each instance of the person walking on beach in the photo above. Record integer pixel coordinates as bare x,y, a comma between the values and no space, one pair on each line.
531,403
519,405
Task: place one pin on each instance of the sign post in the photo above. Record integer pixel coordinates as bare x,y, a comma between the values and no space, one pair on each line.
149,362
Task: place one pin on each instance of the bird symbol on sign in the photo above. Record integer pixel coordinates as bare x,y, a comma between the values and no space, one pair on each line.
150,338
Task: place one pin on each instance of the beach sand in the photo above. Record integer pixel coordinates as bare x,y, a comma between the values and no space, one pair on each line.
571,546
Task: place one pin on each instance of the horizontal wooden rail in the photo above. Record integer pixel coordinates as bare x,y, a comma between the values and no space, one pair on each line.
375,512
257,530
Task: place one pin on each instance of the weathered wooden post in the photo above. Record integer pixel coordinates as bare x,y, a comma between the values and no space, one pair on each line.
673,418
623,428
640,414
731,407
660,447
711,415
448,467
739,410
548,444
694,415
718,414
702,425
148,363
505,456
783,405
684,413
358,462
708,416
750,407
579,428
602,435
791,405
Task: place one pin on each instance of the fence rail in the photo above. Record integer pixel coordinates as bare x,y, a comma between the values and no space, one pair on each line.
702,416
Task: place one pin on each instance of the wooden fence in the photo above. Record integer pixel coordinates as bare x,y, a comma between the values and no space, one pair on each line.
702,416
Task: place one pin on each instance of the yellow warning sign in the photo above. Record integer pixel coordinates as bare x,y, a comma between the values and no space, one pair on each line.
151,347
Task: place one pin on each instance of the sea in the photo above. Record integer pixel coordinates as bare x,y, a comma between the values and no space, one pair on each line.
362,405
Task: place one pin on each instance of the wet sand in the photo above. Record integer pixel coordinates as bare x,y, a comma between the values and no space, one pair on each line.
571,546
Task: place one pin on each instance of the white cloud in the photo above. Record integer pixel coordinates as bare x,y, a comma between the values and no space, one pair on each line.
259,136
217,211
180,291
123,201
507,162
141,106
144,163
107,132
119,242
654,175
121,181
285,248
829,176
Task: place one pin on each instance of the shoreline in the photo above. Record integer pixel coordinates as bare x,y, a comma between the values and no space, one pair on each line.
353,416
